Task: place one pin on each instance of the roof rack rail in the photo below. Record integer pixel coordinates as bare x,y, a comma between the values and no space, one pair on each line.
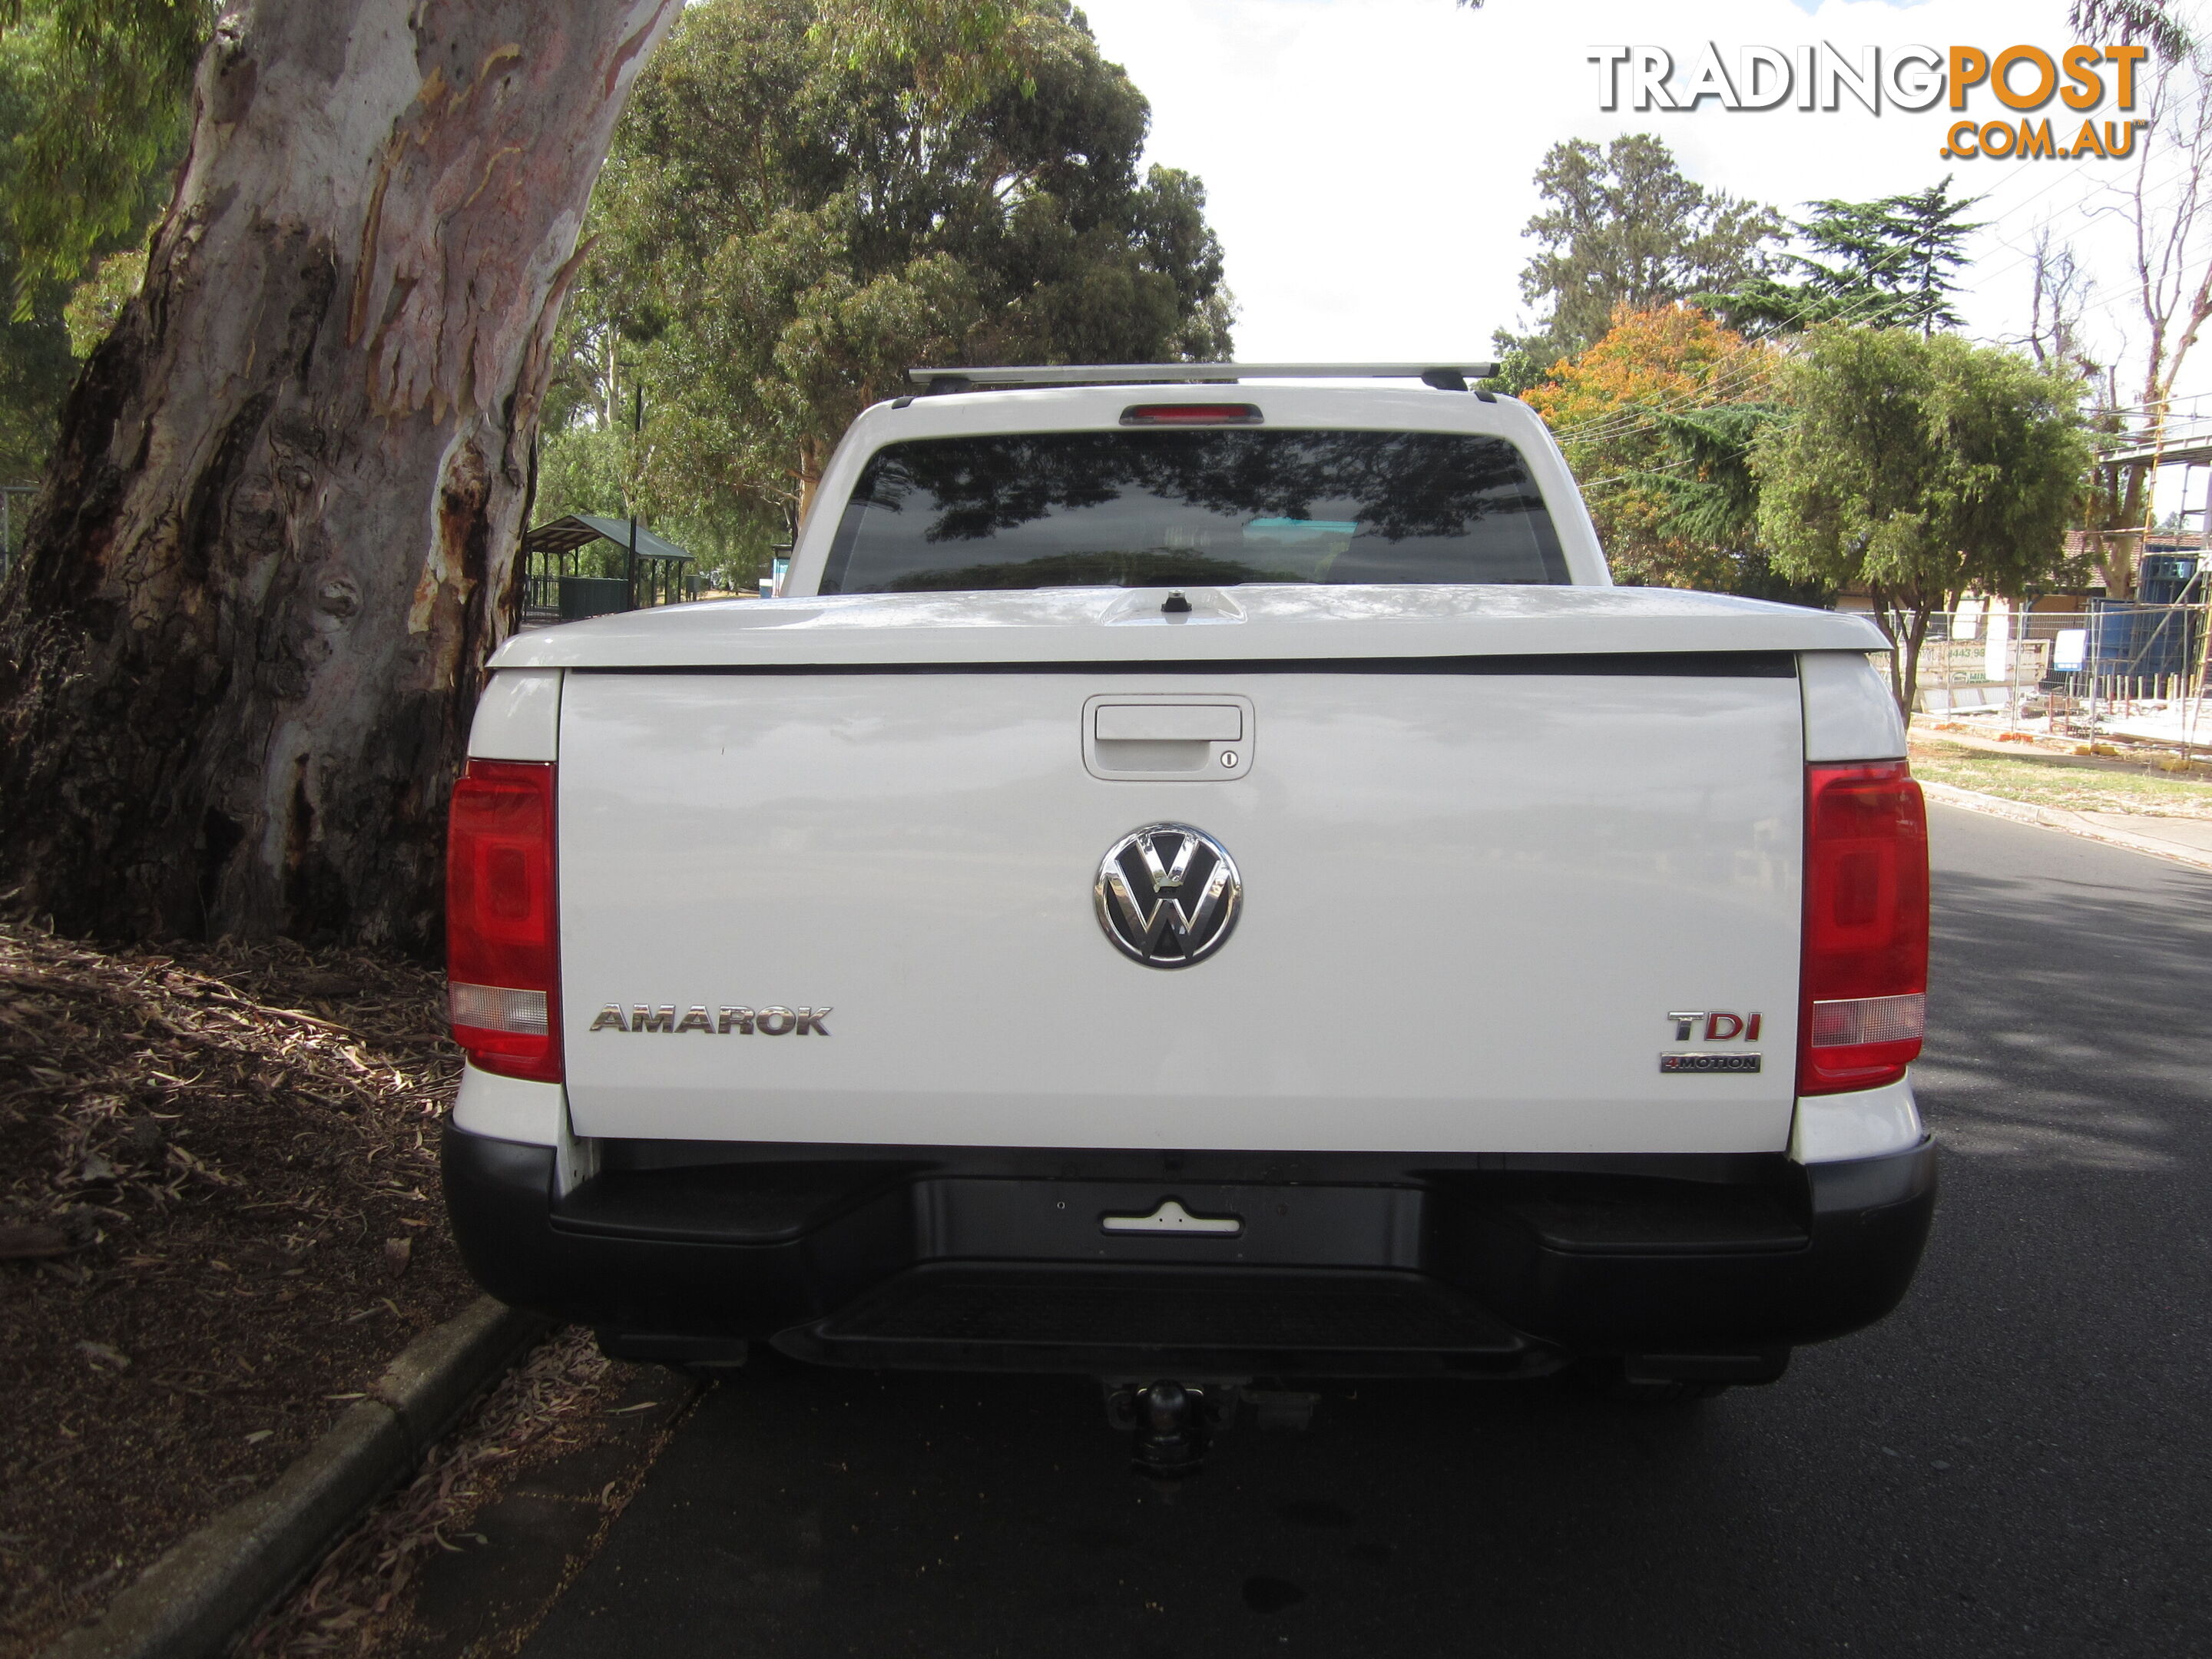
1452,377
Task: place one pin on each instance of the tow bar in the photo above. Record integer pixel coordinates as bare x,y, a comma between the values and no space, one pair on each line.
1174,1424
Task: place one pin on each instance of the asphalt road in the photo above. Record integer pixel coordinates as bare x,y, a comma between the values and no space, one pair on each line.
2015,1463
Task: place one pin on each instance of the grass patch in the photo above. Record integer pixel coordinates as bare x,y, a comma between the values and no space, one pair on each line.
2074,789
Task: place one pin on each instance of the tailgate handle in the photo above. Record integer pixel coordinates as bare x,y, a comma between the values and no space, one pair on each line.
1167,722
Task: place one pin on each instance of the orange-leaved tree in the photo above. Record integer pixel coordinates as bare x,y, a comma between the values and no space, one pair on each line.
1655,419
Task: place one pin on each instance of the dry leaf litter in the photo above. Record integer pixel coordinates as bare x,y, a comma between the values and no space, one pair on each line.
359,1602
219,1221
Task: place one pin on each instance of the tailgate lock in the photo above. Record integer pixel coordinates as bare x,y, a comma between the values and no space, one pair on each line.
1167,736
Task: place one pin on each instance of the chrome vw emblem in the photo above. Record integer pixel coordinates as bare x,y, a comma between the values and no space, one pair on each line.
1168,894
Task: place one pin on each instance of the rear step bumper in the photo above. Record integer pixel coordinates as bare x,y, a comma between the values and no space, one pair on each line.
1182,1322
968,1259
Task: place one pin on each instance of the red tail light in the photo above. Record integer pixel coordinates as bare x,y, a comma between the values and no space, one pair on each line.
502,941
1865,980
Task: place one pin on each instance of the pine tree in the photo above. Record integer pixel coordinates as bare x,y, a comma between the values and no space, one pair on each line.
1888,263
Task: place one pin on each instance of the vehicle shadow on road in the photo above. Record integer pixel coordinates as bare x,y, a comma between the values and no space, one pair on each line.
819,1512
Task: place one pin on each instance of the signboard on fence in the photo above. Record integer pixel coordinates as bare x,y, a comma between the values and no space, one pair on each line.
1996,659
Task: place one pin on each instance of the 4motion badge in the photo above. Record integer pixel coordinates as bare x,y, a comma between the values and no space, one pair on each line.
1709,1062
1167,894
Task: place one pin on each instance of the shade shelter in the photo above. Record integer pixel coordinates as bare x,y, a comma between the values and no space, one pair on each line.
557,590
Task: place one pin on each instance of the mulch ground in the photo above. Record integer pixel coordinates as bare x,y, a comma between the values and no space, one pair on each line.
219,1220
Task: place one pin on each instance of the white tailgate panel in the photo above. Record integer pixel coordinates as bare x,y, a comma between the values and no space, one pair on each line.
1469,902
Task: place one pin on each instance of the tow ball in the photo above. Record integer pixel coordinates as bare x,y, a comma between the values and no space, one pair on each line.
1172,1425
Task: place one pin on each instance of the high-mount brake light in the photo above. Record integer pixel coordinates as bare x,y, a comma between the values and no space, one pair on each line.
1192,415
502,940
1864,982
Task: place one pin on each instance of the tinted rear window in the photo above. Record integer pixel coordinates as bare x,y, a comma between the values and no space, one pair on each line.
1214,508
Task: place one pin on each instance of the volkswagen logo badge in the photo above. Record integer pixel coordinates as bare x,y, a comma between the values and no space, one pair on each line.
1168,894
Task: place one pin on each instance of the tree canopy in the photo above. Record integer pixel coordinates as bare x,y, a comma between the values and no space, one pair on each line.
2151,20
35,364
1623,226
1656,421
786,226
1920,466
1888,263
93,100
105,85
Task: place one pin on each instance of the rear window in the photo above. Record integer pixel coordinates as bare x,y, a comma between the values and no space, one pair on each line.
1206,508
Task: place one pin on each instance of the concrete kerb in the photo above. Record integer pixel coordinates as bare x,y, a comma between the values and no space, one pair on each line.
201,1595
2071,823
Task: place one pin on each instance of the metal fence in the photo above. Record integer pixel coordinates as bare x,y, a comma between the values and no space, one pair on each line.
2080,669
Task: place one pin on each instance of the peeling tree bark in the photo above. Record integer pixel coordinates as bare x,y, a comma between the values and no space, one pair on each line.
276,543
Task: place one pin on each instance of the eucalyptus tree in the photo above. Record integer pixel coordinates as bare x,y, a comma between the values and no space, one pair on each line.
786,229
2157,23
274,543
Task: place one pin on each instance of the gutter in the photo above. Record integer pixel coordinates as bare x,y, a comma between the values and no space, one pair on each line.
205,1591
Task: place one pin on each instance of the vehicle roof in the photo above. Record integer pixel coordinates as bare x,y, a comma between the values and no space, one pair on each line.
1389,405
1454,375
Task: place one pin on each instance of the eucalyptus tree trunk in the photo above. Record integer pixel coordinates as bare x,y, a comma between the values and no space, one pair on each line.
813,455
276,540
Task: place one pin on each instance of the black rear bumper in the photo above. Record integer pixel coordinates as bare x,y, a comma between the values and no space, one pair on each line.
1343,1266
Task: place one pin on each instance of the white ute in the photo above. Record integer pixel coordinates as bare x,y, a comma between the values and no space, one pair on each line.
1200,877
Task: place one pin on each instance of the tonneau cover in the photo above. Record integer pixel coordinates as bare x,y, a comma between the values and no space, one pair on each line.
1300,623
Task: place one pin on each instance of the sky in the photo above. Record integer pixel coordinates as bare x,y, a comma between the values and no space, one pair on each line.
1369,163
